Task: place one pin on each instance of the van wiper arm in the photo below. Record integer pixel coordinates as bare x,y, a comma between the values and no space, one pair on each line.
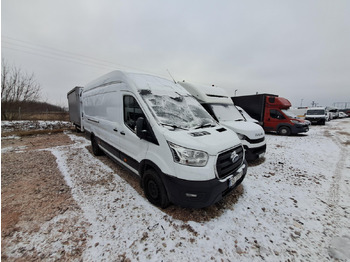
173,126
205,125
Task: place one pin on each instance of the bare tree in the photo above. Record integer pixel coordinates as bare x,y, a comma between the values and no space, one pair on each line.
16,87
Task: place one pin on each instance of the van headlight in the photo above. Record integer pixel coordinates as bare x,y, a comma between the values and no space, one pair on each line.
189,157
241,136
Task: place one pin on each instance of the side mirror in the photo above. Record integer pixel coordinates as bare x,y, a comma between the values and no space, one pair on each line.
141,132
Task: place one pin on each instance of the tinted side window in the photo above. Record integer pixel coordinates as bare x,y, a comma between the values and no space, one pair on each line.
132,111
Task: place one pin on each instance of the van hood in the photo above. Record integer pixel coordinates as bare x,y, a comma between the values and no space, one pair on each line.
211,140
249,129
315,116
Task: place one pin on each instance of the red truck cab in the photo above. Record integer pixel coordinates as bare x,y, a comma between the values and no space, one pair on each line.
277,117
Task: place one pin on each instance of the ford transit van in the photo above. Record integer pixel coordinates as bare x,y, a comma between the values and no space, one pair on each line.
156,129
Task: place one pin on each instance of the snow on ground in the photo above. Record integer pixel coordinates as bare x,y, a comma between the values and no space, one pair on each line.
294,206
25,125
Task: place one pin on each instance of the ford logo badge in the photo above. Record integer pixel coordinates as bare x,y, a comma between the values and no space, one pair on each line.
234,156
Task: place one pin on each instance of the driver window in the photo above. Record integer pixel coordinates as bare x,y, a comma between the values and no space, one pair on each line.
132,112
276,114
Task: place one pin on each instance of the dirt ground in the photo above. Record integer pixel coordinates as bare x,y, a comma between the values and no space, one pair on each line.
33,192
34,195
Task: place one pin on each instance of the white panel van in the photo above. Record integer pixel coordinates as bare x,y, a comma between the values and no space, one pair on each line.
220,106
159,131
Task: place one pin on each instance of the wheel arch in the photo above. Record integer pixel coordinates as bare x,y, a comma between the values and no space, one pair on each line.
148,164
284,125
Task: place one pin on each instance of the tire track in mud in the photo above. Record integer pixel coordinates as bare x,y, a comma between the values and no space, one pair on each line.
335,211
333,192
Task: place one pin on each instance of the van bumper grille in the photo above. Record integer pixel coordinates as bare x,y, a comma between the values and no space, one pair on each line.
229,162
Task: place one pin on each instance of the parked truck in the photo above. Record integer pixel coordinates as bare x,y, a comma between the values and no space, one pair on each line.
220,106
160,132
75,106
272,113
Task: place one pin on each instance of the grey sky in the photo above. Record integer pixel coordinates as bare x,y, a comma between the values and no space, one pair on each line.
296,49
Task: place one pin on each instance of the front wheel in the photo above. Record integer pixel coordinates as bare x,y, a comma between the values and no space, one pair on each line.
95,147
154,189
284,131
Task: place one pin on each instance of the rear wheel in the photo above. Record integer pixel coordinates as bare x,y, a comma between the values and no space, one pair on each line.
154,189
95,147
284,131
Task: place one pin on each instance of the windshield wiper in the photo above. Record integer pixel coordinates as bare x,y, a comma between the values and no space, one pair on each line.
173,126
240,119
205,125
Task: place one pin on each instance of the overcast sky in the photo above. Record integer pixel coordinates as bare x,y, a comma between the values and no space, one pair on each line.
299,50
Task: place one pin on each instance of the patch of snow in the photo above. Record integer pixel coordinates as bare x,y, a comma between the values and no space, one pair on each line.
339,248
17,149
25,125
10,137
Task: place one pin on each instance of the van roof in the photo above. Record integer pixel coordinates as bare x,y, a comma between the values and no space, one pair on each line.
317,108
137,82
206,94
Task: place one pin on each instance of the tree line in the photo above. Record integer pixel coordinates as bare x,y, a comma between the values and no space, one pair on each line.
20,93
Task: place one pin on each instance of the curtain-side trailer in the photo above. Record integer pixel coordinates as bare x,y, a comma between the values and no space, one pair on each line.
75,107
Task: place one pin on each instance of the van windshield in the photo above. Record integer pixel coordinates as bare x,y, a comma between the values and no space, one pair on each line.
315,112
183,112
225,112
289,113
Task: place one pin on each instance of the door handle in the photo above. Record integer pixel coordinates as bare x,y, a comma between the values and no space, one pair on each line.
122,133
114,129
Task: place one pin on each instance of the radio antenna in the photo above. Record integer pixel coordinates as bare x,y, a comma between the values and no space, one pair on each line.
171,76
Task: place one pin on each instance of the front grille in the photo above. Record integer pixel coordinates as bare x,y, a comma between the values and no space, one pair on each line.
224,164
255,141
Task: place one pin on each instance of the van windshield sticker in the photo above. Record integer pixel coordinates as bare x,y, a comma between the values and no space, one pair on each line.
182,112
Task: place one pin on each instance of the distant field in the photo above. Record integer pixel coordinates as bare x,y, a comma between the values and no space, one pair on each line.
46,116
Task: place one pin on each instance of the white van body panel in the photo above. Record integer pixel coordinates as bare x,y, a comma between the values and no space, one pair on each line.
246,115
248,129
212,143
205,94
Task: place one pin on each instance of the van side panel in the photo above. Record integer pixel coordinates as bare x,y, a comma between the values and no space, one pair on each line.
101,113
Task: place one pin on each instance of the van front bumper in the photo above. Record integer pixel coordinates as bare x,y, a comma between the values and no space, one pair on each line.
254,153
299,128
316,120
199,194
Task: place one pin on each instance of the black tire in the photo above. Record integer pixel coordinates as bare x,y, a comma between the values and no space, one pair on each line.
284,131
154,189
95,147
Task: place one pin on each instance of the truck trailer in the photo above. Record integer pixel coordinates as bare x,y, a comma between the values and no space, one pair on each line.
75,105
272,113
